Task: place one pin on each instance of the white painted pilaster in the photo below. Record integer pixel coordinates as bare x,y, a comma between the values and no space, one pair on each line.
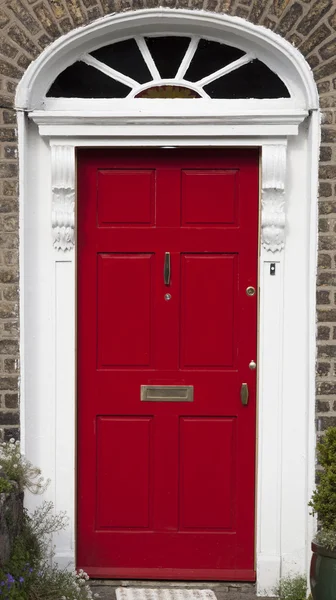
273,221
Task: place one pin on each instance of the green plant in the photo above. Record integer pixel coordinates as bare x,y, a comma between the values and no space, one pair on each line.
323,502
6,487
292,587
326,538
16,467
30,574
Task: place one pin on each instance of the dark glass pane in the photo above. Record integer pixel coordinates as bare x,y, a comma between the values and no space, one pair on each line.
209,57
253,80
124,57
167,53
82,81
168,91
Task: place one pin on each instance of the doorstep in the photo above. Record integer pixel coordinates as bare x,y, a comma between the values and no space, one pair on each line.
223,590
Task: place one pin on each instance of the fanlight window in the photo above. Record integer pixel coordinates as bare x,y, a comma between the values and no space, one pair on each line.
168,67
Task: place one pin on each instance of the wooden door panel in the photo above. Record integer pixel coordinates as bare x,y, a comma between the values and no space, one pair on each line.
123,484
125,312
185,239
125,197
207,473
207,400
208,293
174,555
166,489
219,187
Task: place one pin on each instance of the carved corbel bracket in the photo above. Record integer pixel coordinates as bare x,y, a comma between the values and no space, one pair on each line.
63,197
273,218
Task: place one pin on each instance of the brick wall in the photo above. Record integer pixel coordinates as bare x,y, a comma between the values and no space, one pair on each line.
28,26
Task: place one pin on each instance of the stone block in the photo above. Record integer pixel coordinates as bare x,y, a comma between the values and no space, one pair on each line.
325,70
315,39
16,34
328,50
9,418
325,190
323,369
324,262
326,172
289,19
314,16
24,16
322,296
44,17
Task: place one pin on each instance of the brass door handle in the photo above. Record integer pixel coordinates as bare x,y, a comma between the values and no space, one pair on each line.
244,394
166,270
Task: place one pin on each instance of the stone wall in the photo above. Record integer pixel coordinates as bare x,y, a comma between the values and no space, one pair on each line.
28,26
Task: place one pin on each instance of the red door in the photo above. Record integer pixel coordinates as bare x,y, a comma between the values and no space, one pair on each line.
167,246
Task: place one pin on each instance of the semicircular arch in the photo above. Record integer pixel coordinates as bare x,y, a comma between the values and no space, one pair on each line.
271,49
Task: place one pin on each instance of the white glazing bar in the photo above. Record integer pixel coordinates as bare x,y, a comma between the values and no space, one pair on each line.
161,82
147,57
93,62
225,70
189,55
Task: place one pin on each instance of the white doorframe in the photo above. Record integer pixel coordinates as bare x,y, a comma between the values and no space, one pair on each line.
286,397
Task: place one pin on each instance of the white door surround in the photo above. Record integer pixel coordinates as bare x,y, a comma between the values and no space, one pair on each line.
287,132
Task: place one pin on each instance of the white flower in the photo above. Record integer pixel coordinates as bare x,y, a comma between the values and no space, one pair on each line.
15,466
12,441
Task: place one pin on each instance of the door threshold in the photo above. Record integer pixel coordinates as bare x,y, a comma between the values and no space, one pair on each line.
151,583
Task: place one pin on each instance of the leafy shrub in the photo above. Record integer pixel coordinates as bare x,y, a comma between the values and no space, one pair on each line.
29,574
6,487
46,584
292,588
326,538
323,502
16,467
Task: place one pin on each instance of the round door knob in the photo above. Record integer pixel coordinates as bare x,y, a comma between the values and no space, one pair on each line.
250,290
252,365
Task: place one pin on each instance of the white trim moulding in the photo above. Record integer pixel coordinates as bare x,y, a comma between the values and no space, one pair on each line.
260,124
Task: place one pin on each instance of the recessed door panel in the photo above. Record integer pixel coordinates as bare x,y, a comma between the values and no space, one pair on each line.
125,307
123,472
209,197
208,291
125,196
207,473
